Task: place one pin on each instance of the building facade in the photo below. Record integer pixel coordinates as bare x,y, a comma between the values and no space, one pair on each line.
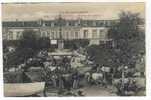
60,29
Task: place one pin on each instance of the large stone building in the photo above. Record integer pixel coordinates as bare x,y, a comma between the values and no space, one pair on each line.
60,29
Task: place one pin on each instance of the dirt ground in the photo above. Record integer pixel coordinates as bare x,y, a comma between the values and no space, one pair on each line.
88,91
98,91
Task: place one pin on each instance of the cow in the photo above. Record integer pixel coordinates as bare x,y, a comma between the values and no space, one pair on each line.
96,78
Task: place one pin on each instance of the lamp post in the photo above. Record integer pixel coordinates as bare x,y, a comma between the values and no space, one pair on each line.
124,68
60,41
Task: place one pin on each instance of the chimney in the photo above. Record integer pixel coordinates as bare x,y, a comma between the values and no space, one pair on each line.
16,20
40,21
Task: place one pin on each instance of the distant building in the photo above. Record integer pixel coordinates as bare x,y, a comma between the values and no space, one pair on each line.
60,29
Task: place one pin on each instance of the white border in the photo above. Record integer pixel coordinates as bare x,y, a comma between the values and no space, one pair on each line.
73,0
148,51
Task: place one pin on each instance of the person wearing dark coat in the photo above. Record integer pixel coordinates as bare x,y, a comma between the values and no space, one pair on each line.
61,81
75,78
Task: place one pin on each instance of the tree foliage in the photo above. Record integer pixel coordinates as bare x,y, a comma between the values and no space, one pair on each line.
43,43
100,54
76,43
27,47
128,38
29,39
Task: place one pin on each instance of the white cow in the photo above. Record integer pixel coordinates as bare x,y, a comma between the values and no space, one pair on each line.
97,76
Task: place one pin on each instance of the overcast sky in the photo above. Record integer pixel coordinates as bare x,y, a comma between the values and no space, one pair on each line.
35,11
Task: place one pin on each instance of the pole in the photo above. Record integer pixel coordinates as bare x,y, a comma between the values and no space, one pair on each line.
60,41
123,76
124,68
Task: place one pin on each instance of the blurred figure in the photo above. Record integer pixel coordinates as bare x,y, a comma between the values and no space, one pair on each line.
75,80
61,81
54,80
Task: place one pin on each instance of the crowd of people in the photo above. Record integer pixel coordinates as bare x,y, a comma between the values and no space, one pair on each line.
127,87
60,74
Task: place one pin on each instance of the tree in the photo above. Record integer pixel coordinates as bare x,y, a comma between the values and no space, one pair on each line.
129,39
129,43
27,47
100,54
76,43
18,57
44,43
29,39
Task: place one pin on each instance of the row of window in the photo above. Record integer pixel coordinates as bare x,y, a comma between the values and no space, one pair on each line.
65,35
70,34
16,35
83,23
55,35
52,24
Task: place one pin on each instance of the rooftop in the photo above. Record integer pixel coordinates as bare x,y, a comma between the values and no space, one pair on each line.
58,22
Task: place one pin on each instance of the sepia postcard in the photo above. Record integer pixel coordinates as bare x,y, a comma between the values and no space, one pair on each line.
73,49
